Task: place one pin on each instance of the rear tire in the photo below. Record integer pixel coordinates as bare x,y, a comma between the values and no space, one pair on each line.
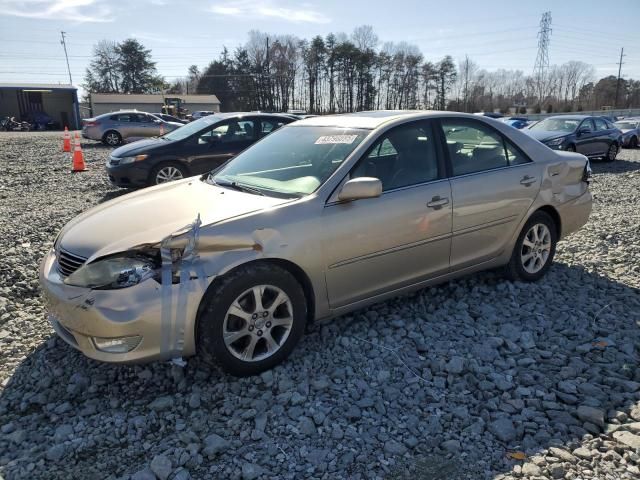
534,250
245,336
112,138
612,152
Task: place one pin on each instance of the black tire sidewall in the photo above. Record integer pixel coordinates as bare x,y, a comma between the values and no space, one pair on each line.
571,148
209,333
515,268
607,157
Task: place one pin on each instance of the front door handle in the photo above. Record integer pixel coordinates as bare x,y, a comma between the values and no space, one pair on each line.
527,180
437,202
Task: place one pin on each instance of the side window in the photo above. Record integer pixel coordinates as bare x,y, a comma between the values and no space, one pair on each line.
145,118
600,124
586,124
229,132
125,117
473,147
268,126
403,156
514,156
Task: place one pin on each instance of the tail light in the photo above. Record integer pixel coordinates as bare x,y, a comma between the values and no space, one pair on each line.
90,123
586,174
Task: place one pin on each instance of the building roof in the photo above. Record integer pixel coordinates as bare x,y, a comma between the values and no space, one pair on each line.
150,98
38,86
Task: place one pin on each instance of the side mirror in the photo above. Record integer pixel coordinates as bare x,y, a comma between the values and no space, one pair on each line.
157,121
359,188
583,131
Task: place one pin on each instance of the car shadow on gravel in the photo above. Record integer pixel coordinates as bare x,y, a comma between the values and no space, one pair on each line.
115,194
440,384
617,166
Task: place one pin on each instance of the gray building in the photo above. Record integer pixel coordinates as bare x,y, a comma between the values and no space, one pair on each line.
152,103
59,101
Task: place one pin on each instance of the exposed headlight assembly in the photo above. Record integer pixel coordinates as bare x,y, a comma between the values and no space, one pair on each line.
135,158
555,142
113,273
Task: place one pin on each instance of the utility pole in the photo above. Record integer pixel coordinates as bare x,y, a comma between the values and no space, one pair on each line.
618,82
64,45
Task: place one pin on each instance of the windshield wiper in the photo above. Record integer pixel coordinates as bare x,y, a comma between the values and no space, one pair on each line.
237,186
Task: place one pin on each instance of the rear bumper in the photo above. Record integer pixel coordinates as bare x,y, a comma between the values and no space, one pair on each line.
575,213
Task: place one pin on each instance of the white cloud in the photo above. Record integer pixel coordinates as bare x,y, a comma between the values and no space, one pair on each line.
74,10
257,8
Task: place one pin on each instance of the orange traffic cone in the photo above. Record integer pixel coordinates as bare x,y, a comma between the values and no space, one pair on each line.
78,157
66,140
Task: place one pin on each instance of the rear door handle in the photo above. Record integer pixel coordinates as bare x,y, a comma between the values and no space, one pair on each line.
527,180
437,202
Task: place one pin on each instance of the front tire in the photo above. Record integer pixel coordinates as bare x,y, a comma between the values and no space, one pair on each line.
167,172
571,148
633,143
251,320
534,250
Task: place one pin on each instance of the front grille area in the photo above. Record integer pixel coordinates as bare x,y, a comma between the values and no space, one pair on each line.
68,262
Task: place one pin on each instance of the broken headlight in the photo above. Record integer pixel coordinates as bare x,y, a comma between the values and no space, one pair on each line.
114,272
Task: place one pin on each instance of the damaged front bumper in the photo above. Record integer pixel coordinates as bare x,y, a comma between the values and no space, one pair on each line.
145,322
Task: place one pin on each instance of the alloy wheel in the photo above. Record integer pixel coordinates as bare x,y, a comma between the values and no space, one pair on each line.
613,151
168,174
112,138
536,248
258,323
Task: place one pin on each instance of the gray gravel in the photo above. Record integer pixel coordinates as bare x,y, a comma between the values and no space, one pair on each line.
442,384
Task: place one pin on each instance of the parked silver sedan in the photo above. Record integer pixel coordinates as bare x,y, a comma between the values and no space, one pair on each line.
324,216
115,128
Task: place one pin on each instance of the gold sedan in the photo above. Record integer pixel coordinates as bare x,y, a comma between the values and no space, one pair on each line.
324,216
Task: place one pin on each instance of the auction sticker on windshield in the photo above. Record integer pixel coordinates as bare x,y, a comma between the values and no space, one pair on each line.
333,139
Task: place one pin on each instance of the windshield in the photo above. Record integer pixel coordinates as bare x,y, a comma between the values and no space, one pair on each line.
557,124
292,160
189,129
626,125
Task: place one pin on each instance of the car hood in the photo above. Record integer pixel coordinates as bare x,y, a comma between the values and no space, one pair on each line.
139,146
626,130
545,135
150,215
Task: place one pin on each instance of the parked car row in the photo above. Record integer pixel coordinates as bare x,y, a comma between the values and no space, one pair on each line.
197,147
593,136
321,217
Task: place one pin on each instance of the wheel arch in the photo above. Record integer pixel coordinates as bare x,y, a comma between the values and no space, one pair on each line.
298,273
555,216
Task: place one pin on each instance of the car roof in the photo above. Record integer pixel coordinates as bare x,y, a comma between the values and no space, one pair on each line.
221,116
369,119
571,117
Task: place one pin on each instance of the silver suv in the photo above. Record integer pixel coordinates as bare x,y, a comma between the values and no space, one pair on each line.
117,127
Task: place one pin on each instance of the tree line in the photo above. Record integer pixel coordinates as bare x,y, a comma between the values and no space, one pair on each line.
345,73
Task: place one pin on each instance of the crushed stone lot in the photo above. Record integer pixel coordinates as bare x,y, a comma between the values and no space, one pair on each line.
452,382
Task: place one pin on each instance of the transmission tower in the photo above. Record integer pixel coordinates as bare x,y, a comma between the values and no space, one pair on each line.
541,68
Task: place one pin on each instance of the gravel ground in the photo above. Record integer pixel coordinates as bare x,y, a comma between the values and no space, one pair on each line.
452,382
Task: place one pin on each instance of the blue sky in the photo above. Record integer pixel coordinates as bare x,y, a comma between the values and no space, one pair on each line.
494,33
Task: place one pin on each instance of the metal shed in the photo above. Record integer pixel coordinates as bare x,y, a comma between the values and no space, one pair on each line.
59,101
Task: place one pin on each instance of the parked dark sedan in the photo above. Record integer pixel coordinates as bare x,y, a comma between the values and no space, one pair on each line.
195,148
592,136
